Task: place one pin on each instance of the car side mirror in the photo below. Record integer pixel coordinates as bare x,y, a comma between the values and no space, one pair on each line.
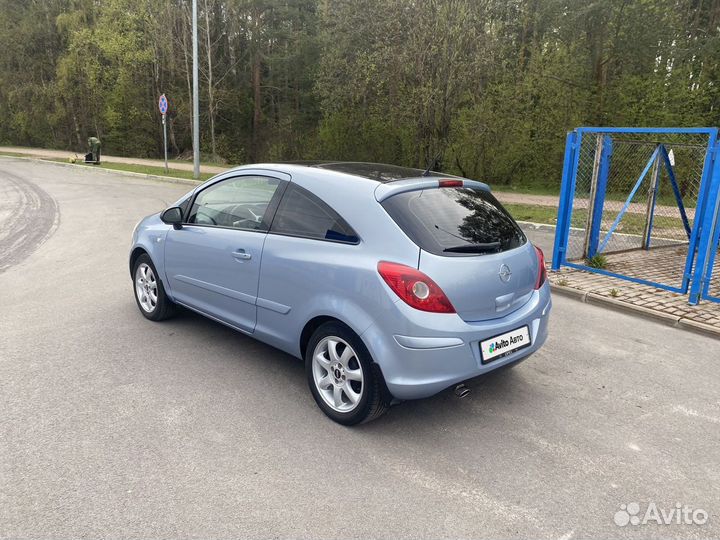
172,216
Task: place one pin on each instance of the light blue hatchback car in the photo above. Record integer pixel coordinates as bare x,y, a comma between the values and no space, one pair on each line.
391,283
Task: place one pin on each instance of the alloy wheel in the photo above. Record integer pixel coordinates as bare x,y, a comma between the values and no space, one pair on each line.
338,374
146,287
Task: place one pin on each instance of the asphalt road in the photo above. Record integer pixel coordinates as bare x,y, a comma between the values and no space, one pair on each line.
115,427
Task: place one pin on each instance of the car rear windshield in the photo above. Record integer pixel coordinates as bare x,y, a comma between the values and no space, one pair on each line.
455,221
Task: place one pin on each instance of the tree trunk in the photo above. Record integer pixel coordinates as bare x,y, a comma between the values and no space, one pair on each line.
211,100
171,135
257,107
77,130
186,55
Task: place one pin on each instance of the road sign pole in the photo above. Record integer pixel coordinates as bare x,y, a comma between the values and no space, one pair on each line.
163,108
195,94
165,140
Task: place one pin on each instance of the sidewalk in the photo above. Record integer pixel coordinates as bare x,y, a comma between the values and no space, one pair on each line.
43,153
506,197
643,300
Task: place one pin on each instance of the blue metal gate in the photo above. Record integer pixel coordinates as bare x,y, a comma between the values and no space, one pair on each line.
707,283
642,204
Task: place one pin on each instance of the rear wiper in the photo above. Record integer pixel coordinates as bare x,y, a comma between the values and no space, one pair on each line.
488,247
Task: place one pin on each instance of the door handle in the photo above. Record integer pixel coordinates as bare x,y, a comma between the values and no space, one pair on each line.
241,255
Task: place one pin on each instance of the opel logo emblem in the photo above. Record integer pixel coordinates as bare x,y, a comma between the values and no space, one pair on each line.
504,273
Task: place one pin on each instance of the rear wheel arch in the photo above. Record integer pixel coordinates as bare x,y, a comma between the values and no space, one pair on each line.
316,322
375,397
312,325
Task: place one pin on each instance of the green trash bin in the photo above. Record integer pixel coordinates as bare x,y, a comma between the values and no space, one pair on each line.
94,147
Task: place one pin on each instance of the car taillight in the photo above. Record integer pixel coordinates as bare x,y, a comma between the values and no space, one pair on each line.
450,183
415,288
542,273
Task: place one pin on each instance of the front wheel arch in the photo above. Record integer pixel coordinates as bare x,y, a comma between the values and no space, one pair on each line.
164,306
134,256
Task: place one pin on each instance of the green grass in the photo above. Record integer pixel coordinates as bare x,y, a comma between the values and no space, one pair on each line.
632,223
629,224
665,197
531,212
130,167
71,153
529,190
144,169
597,261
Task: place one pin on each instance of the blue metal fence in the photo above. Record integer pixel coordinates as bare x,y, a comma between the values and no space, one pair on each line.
706,284
627,191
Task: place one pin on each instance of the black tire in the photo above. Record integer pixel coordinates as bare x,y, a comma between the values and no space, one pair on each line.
374,396
164,307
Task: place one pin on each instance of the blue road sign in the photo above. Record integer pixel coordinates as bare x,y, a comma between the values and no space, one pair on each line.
163,104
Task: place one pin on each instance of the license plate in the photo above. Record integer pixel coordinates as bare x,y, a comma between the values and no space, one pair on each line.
504,344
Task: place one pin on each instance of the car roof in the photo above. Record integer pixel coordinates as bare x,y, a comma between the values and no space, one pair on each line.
379,172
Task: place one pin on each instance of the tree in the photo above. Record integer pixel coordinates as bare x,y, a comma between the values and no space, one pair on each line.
488,86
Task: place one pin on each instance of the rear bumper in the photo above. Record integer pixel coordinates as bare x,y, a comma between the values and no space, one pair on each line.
421,354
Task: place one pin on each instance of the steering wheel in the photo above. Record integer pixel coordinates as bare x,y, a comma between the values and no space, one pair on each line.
204,219
246,218
245,224
244,213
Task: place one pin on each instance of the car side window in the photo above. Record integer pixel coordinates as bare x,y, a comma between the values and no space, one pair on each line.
301,213
241,202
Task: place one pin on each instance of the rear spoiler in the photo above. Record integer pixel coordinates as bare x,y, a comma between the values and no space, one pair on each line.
385,191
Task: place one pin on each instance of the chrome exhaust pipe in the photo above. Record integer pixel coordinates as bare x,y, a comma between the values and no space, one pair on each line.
462,391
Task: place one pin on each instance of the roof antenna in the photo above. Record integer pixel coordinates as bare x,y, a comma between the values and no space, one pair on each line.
432,164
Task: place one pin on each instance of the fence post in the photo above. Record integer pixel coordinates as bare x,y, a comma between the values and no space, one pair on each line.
712,254
706,178
652,197
593,193
562,226
708,214
597,200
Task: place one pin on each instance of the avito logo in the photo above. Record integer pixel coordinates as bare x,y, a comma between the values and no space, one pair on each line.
501,344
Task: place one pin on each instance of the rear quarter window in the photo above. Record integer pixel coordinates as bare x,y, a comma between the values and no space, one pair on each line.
455,221
304,215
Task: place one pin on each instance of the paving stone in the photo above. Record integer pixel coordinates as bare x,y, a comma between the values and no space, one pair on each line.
662,265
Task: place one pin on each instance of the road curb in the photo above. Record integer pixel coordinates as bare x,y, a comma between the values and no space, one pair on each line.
619,305
537,226
698,327
570,292
675,321
104,170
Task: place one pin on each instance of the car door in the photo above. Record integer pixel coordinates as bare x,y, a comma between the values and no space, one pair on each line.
309,256
212,262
